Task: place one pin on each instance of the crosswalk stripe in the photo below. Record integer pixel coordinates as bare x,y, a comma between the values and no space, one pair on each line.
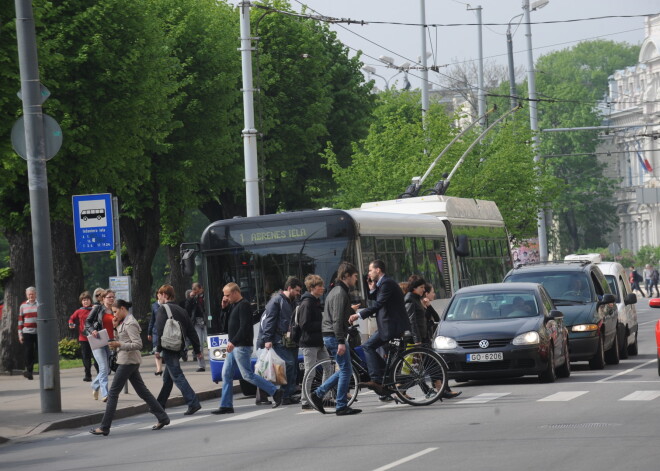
641,396
483,398
182,420
562,396
249,415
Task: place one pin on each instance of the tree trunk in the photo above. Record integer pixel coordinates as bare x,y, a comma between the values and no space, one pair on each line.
68,276
572,230
21,261
141,237
176,279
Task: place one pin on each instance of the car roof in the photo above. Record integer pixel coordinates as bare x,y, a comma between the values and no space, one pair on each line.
554,267
499,287
611,268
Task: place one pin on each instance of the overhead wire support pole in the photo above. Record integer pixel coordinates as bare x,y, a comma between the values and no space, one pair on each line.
477,140
425,70
533,122
481,97
448,146
249,131
35,145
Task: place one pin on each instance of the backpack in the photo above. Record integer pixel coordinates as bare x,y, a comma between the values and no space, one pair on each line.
172,337
296,330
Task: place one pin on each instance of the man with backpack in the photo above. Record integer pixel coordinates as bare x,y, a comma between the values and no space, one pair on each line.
274,325
173,325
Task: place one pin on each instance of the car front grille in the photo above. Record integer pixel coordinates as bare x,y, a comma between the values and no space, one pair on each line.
492,343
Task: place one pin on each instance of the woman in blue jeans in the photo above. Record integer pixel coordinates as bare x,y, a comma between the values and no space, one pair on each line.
99,319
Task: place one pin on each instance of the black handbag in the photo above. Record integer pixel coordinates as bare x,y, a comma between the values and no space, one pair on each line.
112,360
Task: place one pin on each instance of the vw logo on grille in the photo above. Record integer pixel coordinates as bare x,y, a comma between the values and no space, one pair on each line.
484,344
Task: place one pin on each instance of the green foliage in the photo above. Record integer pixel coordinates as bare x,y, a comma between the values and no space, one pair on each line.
69,348
576,79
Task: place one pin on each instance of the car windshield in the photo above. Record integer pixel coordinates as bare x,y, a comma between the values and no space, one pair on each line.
500,305
568,287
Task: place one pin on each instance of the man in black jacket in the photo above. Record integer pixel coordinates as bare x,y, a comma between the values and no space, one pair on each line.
391,319
239,350
173,373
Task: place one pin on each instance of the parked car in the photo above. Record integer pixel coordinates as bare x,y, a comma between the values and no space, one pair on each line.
503,330
583,294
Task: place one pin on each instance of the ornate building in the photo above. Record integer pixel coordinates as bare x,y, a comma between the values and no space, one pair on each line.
632,109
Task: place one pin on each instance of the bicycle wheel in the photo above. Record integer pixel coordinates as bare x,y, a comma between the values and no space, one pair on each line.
419,376
318,374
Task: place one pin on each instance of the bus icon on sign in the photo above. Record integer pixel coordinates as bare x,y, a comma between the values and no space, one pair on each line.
86,214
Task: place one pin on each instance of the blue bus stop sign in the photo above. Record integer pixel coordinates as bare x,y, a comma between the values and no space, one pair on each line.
93,223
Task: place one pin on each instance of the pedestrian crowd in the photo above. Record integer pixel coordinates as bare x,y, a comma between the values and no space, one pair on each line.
650,276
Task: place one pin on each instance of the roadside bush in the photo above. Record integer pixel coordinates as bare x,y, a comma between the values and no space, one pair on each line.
69,349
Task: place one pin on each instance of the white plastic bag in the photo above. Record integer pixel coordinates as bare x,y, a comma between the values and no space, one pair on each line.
271,367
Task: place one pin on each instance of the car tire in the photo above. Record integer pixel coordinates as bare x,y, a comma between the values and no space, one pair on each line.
623,337
548,375
612,355
598,360
632,348
564,371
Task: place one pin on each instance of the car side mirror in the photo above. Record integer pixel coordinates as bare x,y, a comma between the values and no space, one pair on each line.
608,299
631,298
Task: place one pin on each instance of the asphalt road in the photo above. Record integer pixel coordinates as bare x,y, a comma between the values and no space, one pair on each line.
594,420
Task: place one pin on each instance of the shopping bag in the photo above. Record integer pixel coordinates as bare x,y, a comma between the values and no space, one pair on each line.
279,367
270,366
263,365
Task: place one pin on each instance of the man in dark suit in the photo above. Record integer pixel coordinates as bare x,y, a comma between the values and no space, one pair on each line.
391,319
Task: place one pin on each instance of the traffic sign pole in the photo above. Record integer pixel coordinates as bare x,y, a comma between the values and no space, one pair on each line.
47,334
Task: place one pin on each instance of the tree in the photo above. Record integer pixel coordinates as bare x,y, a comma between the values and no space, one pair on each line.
571,81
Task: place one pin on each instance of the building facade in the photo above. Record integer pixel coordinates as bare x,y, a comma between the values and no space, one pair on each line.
630,148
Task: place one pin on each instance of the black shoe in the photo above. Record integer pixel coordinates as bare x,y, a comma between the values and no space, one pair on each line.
451,394
288,401
158,373
184,355
263,402
317,401
160,425
27,374
99,431
385,398
307,407
87,379
347,411
277,398
223,410
374,386
192,409
199,370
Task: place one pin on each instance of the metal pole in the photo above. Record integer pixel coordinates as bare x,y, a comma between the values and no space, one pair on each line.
249,132
481,96
115,221
512,74
425,70
533,123
47,332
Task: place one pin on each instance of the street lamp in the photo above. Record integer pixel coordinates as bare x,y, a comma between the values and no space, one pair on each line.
512,74
372,71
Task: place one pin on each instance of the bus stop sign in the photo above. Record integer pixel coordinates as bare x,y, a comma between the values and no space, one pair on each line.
93,223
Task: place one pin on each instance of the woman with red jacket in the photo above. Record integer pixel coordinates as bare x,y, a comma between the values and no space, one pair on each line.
78,318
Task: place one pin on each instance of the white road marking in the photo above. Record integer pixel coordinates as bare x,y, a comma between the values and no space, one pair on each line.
249,415
84,434
405,460
563,396
483,398
621,373
641,396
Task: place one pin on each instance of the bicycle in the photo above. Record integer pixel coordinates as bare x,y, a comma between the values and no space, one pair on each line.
416,375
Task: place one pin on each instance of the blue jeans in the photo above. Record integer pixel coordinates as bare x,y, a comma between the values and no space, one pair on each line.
101,355
174,375
240,358
341,378
291,368
375,362
201,333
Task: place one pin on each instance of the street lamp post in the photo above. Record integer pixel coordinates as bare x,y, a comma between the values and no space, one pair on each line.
512,73
372,71
533,116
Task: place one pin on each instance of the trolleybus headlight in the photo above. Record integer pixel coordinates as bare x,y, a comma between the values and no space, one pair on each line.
444,343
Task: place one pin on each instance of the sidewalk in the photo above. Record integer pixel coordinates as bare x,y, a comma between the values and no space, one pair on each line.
20,399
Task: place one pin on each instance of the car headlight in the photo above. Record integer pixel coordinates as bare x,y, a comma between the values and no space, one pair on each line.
528,338
584,328
444,343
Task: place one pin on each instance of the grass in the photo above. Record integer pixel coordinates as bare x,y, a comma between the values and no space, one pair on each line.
65,364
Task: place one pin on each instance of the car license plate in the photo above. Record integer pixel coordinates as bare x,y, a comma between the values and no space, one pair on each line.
493,356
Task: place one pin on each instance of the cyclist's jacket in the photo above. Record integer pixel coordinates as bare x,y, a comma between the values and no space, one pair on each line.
389,309
336,314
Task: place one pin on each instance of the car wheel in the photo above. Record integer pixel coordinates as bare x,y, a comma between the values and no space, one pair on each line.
632,348
548,375
564,371
598,360
612,355
623,337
